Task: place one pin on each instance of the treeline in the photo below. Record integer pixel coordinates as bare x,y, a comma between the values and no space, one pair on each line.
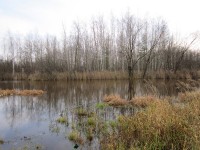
127,44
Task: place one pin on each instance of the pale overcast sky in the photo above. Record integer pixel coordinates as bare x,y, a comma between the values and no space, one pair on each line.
47,16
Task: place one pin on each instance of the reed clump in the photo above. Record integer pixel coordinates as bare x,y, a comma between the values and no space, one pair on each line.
6,92
21,92
29,92
161,125
91,121
142,101
114,100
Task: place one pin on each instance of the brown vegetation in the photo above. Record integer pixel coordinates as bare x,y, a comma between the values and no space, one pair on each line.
21,92
161,125
102,75
189,96
143,101
188,85
115,100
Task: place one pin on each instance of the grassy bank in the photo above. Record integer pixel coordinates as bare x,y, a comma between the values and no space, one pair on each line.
100,75
161,125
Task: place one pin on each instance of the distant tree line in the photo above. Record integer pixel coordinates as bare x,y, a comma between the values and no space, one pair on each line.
121,44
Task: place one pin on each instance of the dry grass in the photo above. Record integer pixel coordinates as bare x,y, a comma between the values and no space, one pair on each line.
30,92
114,100
189,96
143,101
102,75
94,75
160,126
21,92
6,92
188,85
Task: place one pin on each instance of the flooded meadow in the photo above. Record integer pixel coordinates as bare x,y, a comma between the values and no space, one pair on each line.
69,115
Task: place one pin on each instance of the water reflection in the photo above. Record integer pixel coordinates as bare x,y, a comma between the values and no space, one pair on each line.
33,117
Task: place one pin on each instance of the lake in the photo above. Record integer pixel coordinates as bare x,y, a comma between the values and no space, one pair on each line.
29,122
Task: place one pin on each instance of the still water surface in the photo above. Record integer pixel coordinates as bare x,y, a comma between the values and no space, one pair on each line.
27,121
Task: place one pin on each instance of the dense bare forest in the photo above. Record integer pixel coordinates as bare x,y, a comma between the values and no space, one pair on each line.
125,45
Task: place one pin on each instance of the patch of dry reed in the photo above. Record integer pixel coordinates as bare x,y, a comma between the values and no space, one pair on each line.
161,125
21,92
143,101
115,100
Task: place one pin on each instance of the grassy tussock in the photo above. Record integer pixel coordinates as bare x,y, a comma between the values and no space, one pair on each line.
81,112
75,137
21,92
115,100
62,120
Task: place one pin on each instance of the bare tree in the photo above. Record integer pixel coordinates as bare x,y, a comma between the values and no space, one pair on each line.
152,42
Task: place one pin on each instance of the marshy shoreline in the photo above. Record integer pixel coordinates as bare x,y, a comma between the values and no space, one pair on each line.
87,115
99,75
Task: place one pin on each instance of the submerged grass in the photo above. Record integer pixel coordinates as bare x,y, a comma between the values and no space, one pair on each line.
161,125
21,92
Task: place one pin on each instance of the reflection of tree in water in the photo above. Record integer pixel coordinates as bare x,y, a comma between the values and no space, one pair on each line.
131,88
63,95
